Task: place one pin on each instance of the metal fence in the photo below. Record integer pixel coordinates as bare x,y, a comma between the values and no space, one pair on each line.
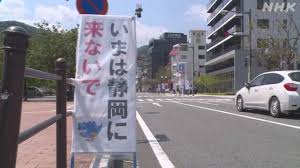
15,47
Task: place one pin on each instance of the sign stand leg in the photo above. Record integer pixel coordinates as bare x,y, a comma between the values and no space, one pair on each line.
72,164
134,161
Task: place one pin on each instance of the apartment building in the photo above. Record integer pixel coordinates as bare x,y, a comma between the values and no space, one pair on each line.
228,53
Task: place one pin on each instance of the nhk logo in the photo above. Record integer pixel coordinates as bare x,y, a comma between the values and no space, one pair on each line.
279,7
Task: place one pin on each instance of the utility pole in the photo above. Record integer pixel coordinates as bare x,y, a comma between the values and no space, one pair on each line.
193,81
250,45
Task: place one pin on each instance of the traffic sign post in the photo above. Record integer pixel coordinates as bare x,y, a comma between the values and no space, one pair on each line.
97,7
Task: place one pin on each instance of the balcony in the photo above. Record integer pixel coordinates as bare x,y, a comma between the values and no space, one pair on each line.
211,56
230,33
221,66
216,41
210,4
217,11
227,18
235,30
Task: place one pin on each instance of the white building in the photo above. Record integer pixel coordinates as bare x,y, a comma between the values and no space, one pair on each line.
182,61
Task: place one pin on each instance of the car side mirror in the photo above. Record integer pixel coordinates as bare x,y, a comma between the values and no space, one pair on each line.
247,85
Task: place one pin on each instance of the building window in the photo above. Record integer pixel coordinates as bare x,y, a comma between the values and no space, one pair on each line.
263,23
183,47
201,56
183,56
262,43
201,47
201,66
260,3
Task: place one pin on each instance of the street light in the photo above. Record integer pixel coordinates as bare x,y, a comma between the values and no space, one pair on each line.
249,13
138,10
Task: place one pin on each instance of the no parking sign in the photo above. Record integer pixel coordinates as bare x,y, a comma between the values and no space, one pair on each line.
99,7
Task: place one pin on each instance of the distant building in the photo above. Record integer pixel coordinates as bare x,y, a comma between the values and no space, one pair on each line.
182,59
159,49
143,69
197,40
228,52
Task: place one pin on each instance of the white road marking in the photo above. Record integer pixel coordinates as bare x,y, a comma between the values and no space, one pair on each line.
104,162
227,103
168,99
242,116
161,156
207,103
140,100
157,104
100,162
151,100
159,99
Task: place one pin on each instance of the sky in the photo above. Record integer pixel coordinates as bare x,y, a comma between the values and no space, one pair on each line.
159,16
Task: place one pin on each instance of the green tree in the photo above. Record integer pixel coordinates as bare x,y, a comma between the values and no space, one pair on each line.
48,44
163,71
206,83
282,44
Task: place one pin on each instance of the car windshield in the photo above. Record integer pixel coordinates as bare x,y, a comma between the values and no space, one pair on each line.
295,76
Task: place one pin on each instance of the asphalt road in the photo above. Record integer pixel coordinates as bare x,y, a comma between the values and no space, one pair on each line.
208,132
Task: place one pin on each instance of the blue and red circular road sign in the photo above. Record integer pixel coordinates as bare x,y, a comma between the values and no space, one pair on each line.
98,7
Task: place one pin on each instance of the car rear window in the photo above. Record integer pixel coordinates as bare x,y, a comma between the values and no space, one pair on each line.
295,76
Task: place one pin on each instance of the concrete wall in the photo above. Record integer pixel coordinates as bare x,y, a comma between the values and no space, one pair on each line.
273,17
241,68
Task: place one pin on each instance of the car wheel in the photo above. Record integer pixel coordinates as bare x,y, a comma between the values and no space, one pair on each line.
274,107
240,104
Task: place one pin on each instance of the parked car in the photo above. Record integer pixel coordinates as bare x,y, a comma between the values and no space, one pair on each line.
33,91
47,91
277,92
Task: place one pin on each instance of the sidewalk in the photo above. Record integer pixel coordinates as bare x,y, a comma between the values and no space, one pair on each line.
40,150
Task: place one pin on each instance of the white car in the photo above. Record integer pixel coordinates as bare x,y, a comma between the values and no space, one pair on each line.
277,92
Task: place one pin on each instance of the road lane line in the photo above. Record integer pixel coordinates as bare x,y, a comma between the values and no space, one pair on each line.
227,103
104,162
159,99
151,100
140,100
207,103
242,116
157,104
100,162
161,156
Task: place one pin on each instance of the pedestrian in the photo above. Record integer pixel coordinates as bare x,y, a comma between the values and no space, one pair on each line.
178,91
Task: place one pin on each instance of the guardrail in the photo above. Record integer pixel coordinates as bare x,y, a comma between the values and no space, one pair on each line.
11,93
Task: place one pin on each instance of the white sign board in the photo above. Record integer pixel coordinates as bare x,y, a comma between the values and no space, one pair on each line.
105,101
